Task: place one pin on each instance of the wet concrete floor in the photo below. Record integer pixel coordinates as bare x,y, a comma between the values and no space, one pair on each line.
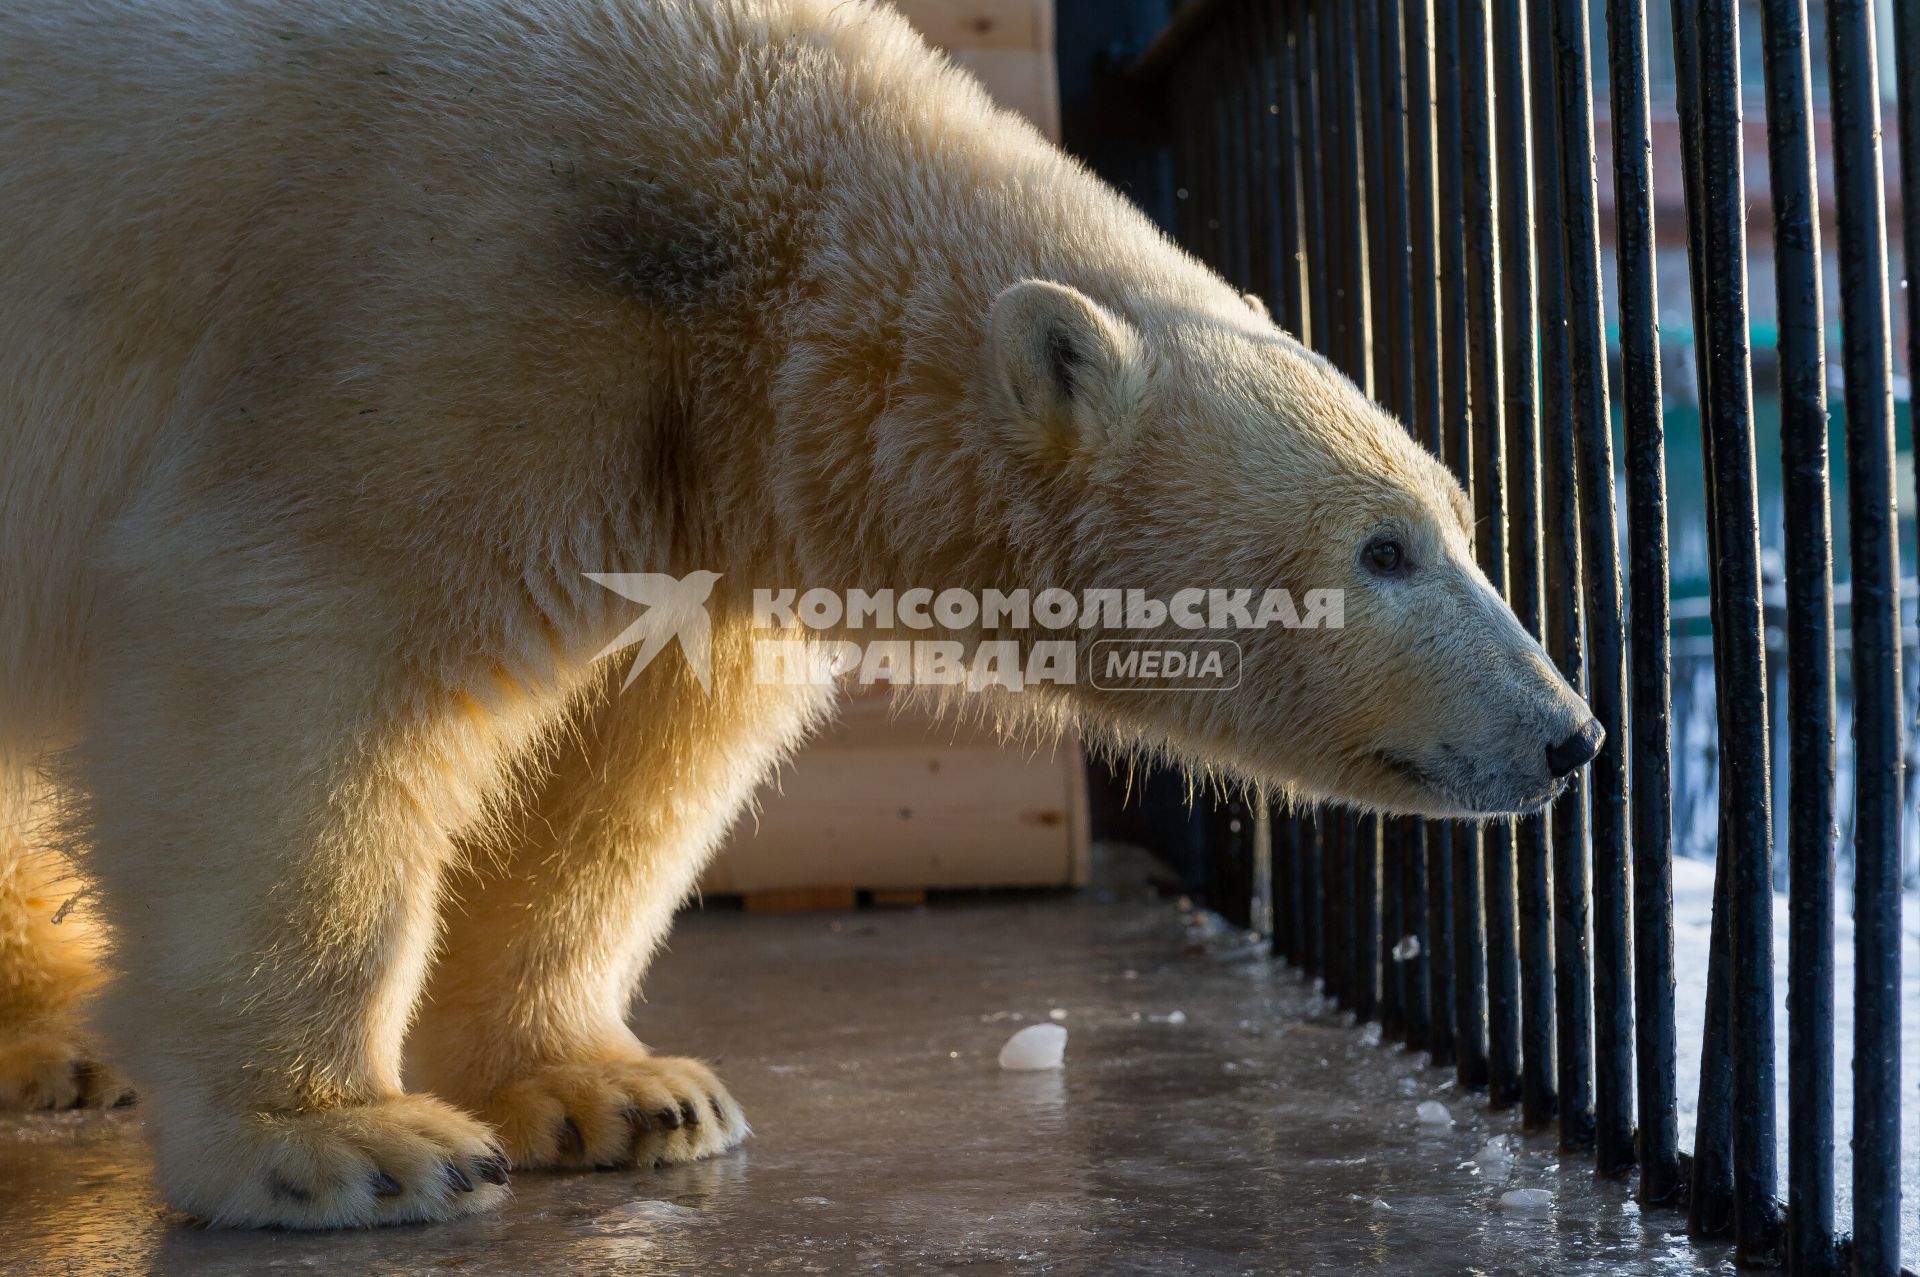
1213,1116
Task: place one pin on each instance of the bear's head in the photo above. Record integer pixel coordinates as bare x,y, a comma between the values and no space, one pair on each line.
1194,446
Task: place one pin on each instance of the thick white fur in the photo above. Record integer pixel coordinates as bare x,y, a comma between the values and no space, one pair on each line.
339,338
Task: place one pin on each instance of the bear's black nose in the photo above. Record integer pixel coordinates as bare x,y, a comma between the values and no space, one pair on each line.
1577,750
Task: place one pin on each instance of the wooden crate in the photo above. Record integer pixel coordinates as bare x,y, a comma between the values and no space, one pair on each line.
1007,43
886,802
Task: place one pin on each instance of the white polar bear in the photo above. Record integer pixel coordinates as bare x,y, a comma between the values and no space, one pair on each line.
340,340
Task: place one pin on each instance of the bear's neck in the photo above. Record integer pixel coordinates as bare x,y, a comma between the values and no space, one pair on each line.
882,468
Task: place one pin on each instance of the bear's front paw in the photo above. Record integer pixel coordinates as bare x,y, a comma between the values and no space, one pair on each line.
631,1110
49,1066
403,1159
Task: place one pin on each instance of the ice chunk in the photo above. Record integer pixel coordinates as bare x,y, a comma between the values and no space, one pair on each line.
1527,1201
640,1217
1038,1046
1171,1017
1057,1013
1434,1113
1498,1151
1496,1159
1407,950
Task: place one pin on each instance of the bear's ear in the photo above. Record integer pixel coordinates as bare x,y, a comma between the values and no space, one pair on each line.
1257,306
1071,376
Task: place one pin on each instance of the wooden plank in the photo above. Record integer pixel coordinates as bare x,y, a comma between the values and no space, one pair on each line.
1008,44
898,899
983,24
1019,79
897,814
801,900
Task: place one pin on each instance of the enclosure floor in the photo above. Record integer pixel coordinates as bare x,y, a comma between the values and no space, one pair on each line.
1259,1135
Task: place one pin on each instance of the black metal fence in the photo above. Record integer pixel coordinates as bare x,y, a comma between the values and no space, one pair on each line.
1411,186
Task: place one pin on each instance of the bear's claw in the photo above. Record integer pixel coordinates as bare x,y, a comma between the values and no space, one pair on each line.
626,1111
49,1067
399,1159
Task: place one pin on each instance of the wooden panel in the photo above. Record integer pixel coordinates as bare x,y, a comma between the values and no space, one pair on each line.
1008,44
899,804
802,900
1019,79
983,24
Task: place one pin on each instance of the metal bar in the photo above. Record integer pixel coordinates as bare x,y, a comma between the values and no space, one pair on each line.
1606,654
1469,939
1393,997
1312,157
1300,895
1740,668
1234,141
1488,428
1414,925
1260,838
1384,906
1572,990
1809,621
1396,305
1906,62
1651,662
1167,51
1286,285
1179,130
1442,1048
1282,836
1423,216
1313,895
1710,1193
1518,381
1374,162
1357,356
1395,297
1336,866
1214,162
1872,526
1366,916
1333,186
1423,227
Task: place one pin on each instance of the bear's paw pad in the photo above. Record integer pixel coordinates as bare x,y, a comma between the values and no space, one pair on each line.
51,1067
641,1110
403,1159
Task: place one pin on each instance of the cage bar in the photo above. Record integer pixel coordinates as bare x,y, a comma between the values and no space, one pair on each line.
1656,1065
1872,527
1810,1245
1512,101
1463,840
1739,670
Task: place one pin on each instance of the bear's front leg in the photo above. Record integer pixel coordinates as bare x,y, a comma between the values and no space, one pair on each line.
47,970
547,938
271,784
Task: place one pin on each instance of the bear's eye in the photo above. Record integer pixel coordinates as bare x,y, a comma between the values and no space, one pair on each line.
1384,556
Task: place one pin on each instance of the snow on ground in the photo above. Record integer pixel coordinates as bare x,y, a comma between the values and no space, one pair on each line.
1693,919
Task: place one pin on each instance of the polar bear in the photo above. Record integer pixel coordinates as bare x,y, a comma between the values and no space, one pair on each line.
340,340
